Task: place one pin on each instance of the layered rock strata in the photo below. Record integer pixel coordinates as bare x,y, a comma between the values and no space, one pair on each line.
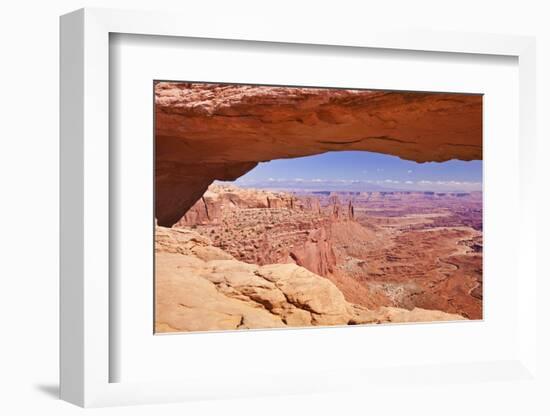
263,227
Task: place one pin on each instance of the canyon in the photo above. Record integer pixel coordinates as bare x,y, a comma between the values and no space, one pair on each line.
200,287
369,257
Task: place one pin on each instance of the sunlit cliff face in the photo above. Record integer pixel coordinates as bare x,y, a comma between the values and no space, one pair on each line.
207,132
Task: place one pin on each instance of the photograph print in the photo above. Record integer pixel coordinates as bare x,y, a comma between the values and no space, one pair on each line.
294,207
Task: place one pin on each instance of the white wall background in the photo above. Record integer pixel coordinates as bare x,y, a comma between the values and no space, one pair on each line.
29,205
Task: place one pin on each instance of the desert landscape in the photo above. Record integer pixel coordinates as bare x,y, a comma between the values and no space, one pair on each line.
238,250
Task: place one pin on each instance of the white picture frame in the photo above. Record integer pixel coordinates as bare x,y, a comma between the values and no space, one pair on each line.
85,213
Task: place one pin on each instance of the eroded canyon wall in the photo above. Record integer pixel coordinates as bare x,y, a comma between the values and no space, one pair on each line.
263,227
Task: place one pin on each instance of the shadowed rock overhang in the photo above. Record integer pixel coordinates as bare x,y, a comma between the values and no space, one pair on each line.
207,132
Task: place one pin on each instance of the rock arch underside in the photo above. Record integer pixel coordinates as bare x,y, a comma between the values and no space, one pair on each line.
208,132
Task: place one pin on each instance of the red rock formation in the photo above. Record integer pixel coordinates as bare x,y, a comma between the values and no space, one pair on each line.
264,227
311,204
209,208
206,132
351,211
316,253
274,202
338,212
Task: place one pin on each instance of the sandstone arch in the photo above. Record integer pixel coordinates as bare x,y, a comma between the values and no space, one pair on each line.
206,132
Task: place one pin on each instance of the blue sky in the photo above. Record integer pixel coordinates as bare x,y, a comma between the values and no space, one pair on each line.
358,170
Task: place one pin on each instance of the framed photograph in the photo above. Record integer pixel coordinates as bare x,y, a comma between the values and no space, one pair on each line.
274,212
